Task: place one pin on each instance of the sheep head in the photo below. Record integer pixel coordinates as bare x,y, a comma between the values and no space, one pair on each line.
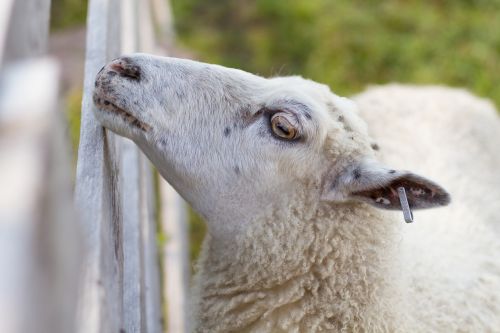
232,143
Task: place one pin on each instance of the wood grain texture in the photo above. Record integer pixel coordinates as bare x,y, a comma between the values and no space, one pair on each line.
151,263
97,194
114,192
176,270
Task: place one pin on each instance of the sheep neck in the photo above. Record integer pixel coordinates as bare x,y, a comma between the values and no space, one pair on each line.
326,267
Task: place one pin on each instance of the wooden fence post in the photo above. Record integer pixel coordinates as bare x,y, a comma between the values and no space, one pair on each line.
114,191
97,194
151,278
164,22
151,270
176,272
39,243
5,15
39,239
120,279
141,264
28,29
131,195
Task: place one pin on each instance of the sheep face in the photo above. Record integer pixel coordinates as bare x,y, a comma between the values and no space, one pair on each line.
232,143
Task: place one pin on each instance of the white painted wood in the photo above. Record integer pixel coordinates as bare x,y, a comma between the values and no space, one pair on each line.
175,257
21,176
151,270
120,281
28,30
39,240
132,238
39,244
132,196
147,42
121,288
5,15
163,17
176,272
97,194
152,313
129,29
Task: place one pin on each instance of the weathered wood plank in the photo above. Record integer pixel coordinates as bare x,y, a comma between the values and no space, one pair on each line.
132,240
21,176
163,18
176,272
5,16
39,240
151,273
39,244
122,282
151,270
132,196
28,30
97,194
129,30
146,34
114,194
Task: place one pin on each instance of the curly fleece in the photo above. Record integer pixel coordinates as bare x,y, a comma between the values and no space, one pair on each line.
319,267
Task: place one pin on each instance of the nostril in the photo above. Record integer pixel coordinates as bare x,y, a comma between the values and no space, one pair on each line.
126,68
117,67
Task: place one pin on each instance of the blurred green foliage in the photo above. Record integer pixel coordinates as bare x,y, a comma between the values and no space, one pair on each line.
349,44
197,230
73,104
67,13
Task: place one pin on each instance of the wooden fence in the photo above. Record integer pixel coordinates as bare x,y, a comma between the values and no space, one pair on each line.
93,266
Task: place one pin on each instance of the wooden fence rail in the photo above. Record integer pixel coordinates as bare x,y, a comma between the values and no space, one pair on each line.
40,244
99,262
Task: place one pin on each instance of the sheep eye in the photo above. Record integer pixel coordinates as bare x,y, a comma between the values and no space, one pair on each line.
283,128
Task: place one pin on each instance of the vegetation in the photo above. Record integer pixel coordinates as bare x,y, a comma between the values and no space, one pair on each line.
67,13
73,114
349,44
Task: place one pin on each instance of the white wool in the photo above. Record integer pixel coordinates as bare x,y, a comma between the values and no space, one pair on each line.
296,242
450,255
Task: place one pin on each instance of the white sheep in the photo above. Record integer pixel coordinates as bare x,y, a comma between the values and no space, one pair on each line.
286,176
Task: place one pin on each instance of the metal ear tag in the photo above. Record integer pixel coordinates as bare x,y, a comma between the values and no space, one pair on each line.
408,215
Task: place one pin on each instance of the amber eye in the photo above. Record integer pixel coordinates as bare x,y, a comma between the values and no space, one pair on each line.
283,127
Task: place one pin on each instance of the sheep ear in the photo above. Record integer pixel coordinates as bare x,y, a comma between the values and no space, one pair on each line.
377,185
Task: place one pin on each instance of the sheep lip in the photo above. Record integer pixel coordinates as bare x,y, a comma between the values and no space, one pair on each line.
124,115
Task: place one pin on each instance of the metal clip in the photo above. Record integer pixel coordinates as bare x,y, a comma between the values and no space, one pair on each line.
407,213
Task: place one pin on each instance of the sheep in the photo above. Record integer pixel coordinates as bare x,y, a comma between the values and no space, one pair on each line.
302,233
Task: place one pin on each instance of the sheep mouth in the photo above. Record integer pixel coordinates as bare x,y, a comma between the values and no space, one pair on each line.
112,108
